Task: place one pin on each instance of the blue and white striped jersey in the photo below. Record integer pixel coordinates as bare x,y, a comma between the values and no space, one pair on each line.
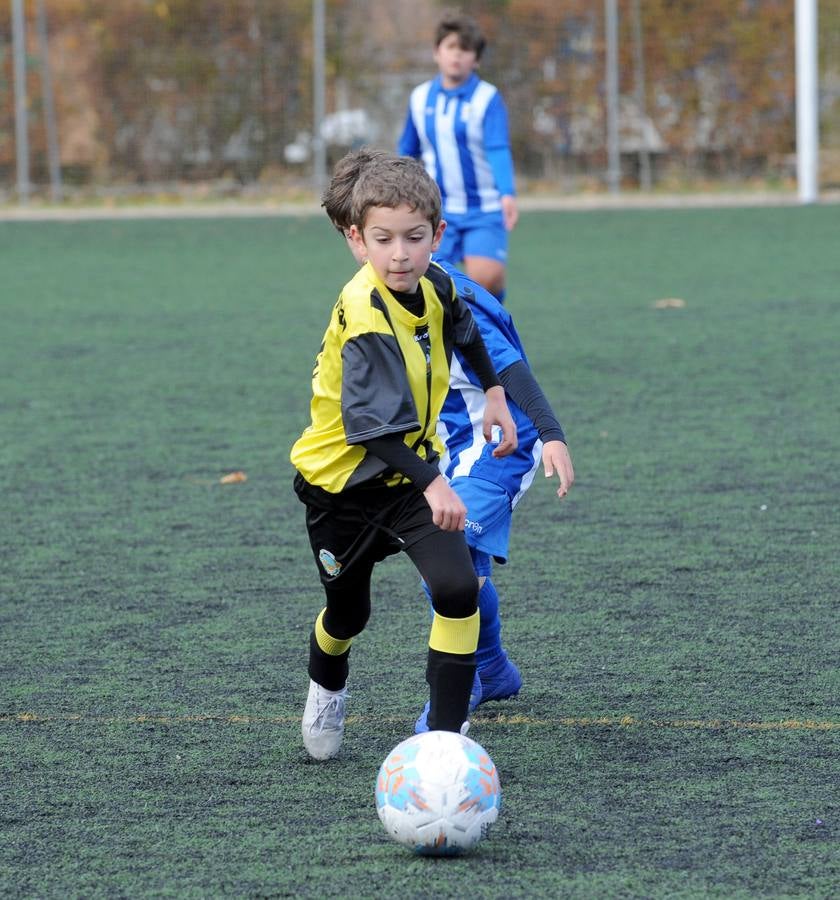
461,419
462,137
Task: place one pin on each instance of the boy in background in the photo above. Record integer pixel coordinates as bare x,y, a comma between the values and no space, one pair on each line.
367,465
458,125
489,486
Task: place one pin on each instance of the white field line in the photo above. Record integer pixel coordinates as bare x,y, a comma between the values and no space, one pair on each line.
235,209
23,718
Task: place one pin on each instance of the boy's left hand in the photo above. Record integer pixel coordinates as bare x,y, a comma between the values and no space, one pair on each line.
557,461
496,412
510,212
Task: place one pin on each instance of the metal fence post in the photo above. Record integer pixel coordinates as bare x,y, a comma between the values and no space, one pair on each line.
21,110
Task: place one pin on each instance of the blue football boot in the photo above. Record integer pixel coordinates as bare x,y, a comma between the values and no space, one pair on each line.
500,680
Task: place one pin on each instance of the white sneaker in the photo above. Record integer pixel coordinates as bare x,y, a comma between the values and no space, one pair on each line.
323,721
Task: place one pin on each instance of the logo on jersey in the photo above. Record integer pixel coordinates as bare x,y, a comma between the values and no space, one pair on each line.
330,564
421,336
475,527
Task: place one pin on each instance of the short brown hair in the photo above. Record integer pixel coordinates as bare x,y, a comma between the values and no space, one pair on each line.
469,34
337,198
392,181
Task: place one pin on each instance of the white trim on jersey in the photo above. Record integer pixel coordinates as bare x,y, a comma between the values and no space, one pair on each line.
443,160
475,401
528,478
449,159
418,99
476,109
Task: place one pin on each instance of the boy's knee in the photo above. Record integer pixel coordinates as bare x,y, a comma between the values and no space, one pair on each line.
456,597
347,624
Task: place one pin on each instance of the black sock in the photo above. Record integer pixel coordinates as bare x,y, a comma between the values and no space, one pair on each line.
450,677
329,671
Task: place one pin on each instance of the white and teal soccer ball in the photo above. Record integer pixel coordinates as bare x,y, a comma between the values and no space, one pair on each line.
438,793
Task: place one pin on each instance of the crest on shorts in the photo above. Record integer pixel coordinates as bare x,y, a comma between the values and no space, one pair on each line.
331,565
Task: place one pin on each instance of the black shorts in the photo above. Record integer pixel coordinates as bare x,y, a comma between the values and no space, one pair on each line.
363,525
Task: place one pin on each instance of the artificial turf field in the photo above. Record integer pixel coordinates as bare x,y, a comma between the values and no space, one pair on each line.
675,618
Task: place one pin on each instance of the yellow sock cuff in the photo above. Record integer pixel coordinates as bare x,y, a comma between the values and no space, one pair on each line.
454,635
330,645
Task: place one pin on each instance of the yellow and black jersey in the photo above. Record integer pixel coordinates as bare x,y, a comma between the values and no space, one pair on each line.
380,371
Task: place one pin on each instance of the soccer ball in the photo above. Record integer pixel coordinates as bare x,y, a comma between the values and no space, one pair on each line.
438,793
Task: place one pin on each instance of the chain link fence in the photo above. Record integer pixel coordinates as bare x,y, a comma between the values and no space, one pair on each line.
214,97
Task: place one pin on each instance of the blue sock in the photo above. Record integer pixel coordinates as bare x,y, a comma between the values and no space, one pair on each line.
490,629
428,594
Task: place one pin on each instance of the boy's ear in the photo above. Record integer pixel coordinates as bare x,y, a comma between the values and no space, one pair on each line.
438,235
356,238
356,244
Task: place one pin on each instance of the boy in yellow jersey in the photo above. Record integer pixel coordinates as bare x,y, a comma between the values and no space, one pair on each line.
490,488
367,470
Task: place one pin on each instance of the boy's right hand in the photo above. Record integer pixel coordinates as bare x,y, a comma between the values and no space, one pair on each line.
448,511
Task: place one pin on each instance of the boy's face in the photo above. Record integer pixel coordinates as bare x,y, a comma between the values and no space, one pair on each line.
455,64
397,243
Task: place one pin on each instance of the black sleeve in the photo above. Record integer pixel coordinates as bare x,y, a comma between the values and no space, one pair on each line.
469,341
475,353
394,452
521,386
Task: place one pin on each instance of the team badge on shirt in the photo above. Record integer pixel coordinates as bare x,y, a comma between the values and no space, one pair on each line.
331,565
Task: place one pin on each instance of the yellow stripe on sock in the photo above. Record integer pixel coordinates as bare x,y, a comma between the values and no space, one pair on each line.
454,635
330,645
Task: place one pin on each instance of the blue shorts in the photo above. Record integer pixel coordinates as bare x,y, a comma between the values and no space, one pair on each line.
488,516
474,234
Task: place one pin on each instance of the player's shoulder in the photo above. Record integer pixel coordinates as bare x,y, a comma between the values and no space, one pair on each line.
484,92
355,302
422,90
441,280
472,292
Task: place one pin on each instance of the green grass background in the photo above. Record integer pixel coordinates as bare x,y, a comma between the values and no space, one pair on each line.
675,618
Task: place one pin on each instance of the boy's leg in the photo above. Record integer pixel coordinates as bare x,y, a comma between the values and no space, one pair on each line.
475,692
344,547
444,563
422,723
485,252
345,616
499,677
490,633
451,246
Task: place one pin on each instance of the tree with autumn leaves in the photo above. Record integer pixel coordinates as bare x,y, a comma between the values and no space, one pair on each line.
157,90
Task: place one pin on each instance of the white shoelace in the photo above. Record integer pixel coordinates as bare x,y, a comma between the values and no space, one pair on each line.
336,701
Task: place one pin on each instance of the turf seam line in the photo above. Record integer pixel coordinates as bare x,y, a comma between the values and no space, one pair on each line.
562,721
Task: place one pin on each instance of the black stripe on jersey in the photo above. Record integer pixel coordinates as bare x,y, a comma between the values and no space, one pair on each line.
375,396
377,302
422,336
445,290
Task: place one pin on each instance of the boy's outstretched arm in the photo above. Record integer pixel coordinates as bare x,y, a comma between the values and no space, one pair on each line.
496,412
522,388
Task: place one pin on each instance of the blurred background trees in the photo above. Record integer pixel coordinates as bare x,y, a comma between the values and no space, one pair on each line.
152,92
